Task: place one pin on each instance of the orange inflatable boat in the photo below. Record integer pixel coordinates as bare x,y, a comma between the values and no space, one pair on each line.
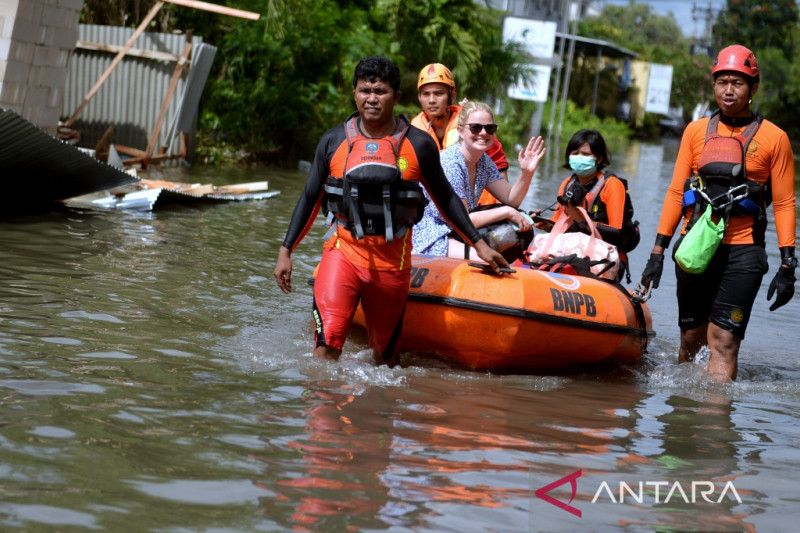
528,320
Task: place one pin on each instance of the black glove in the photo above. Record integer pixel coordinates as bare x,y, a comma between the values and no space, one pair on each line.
783,282
652,270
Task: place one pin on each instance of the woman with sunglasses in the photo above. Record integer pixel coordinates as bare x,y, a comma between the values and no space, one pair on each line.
470,170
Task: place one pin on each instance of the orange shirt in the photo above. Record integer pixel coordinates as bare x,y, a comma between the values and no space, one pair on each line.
769,157
450,130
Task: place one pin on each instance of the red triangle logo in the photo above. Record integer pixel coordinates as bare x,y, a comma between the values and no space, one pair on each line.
572,479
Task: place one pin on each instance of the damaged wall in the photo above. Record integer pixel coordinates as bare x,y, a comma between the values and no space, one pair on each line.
131,98
36,40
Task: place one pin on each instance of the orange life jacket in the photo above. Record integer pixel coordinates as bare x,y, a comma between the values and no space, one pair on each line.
372,198
629,232
722,178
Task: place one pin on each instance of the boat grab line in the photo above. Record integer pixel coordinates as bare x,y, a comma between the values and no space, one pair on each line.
522,313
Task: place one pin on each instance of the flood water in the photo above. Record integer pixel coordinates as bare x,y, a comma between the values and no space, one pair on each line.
153,377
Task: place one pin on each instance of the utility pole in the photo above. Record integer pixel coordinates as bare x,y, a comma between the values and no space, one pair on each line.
706,15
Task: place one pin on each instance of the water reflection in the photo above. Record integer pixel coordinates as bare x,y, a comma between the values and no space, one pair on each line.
414,457
342,453
699,444
153,375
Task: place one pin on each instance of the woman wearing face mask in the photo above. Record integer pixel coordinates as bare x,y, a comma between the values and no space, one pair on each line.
470,170
602,194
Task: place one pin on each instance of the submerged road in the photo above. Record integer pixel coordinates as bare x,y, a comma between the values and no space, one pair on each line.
151,371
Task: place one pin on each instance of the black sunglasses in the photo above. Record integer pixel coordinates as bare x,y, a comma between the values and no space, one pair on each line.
476,128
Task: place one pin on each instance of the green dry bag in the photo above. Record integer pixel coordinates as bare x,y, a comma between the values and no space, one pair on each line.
700,243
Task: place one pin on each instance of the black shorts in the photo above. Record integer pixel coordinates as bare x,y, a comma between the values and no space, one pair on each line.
725,292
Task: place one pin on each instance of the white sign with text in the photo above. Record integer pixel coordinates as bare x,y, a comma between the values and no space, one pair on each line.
538,37
659,86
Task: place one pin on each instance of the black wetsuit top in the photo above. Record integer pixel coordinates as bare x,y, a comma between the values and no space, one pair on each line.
430,175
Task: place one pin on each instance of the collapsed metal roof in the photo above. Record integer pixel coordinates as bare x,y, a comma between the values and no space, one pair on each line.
40,170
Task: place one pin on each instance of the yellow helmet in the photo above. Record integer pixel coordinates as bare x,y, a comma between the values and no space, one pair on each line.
436,73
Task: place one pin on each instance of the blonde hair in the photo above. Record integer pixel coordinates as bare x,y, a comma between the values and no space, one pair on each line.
468,107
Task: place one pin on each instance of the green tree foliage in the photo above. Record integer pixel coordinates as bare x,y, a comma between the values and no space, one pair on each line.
458,33
126,13
635,26
758,24
657,39
771,31
581,86
278,83
281,81
615,132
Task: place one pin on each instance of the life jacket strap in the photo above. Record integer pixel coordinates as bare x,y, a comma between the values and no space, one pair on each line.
333,189
594,193
387,213
354,211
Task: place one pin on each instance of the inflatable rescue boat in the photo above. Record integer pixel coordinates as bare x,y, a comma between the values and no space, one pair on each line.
527,320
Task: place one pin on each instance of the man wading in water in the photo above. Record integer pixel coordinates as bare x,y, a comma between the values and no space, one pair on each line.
741,163
367,173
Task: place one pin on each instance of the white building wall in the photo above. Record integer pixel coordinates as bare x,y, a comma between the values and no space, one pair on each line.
36,40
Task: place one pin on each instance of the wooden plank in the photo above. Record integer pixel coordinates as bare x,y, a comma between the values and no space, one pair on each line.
134,52
104,76
127,150
183,150
173,85
214,8
102,147
240,188
197,190
154,159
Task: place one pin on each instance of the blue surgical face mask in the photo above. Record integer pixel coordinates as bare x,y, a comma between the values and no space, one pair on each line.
583,165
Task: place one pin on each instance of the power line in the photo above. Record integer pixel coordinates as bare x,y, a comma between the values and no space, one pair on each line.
707,15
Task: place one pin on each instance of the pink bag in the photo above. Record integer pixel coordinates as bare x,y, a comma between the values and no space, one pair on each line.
557,243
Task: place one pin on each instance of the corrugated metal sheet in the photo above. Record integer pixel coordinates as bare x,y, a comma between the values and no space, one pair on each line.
39,170
131,97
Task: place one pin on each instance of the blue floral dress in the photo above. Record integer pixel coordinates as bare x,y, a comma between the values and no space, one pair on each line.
430,234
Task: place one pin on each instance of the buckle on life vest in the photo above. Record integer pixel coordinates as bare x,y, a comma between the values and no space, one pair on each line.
733,195
721,201
749,206
690,198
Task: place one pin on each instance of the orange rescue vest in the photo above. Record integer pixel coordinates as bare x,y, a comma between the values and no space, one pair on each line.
372,198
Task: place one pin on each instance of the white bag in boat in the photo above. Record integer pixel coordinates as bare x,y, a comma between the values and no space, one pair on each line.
558,243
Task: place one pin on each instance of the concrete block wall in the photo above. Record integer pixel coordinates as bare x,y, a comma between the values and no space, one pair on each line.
36,40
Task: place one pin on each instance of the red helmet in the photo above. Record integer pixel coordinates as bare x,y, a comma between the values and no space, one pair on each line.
736,58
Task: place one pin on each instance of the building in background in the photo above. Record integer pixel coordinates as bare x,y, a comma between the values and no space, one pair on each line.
36,40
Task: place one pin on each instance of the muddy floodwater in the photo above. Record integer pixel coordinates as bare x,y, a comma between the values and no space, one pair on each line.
154,378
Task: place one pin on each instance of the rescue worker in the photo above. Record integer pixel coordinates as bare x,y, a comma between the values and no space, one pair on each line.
367,171
602,194
714,306
436,92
